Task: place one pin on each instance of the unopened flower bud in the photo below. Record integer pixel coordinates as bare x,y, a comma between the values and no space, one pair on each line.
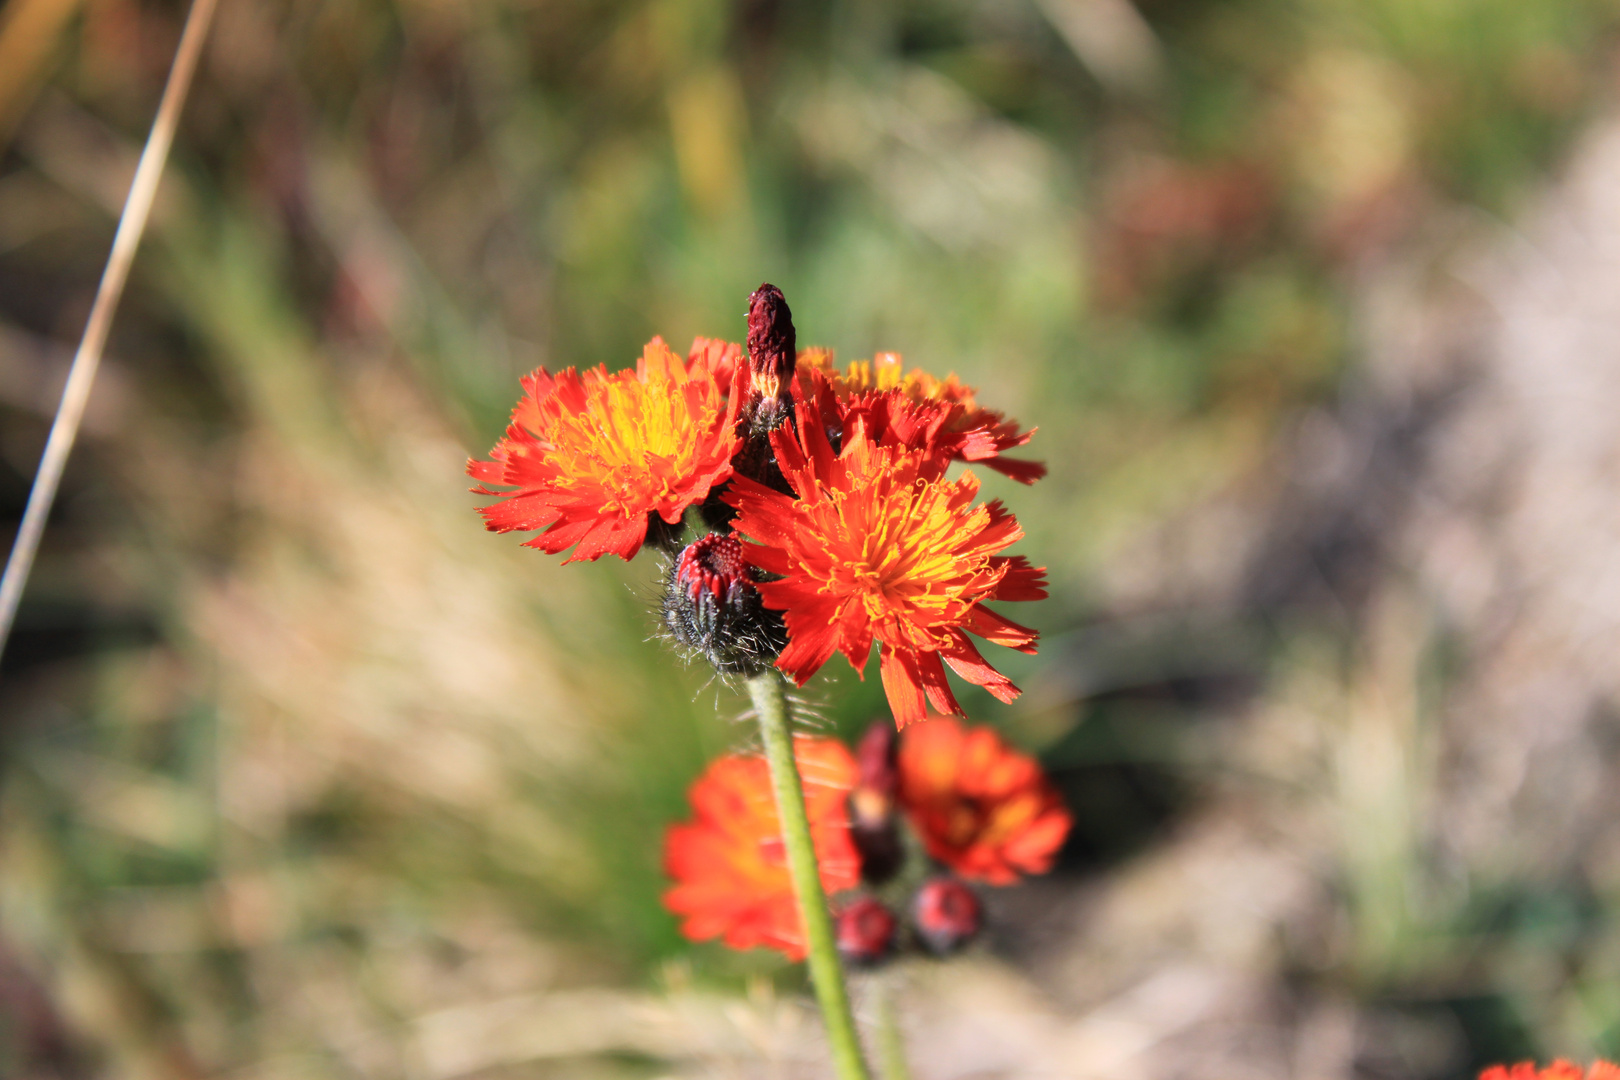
712,607
874,825
948,915
875,757
772,348
865,931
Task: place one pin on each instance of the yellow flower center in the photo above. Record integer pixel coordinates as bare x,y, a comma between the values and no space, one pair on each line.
885,371
896,546
638,439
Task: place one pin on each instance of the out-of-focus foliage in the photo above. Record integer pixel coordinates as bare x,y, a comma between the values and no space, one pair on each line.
305,775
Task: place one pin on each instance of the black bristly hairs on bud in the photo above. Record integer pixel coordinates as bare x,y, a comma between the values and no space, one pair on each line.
712,607
664,537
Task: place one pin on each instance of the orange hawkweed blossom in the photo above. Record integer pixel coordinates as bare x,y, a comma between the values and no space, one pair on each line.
879,546
1558,1070
983,809
595,458
729,864
967,431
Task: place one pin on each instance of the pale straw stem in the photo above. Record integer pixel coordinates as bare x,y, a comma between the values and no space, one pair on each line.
82,375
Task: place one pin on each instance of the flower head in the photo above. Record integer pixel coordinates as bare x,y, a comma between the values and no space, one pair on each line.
879,546
965,431
729,864
1558,1070
712,606
594,457
981,808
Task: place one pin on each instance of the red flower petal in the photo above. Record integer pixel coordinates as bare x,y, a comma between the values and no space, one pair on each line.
902,684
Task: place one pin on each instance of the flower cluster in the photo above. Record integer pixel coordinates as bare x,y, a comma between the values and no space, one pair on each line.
835,524
905,823
1558,1070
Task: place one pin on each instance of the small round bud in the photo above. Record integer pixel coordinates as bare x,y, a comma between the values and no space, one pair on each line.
713,564
948,915
865,931
712,607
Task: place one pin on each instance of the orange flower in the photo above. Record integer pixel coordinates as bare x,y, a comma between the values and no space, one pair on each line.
1558,1070
982,808
729,864
595,458
967,432
880,546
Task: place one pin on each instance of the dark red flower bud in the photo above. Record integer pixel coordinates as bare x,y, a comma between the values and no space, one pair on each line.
772,349
712,607
713,564
947,913
876,755
873,823
865,931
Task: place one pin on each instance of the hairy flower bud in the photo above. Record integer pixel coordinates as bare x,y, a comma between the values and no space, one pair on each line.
947,914
712,607
865,931
772,347
872,818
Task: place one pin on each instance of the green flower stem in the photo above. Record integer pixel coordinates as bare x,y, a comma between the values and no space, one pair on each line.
826,973
891,1041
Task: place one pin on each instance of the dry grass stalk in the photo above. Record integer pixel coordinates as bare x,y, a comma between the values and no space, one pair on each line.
82,376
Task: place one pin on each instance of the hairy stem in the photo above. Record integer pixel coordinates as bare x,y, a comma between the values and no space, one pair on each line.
826,973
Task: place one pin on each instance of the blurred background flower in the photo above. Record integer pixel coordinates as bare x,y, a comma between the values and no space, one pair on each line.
304,775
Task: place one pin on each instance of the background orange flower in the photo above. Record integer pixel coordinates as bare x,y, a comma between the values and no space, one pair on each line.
983,809
729,865
970,432
1561,1069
